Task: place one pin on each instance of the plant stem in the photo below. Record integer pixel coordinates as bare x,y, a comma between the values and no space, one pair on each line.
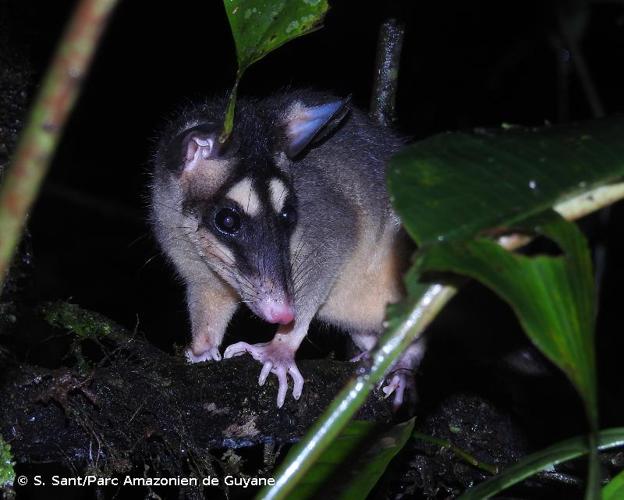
48,116
464,455
389,45
433,300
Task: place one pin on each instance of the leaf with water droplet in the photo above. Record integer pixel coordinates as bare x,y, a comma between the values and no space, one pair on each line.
268,24
261,26
462,184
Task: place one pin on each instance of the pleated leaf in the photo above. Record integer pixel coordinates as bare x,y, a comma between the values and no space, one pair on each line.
457,185
552,296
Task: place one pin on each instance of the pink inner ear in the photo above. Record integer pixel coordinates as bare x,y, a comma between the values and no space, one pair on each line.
198,149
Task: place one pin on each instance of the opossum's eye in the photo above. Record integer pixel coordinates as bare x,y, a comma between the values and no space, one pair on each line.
288,215
227,221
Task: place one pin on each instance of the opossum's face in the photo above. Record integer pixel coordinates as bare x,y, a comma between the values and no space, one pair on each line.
244,234
240,205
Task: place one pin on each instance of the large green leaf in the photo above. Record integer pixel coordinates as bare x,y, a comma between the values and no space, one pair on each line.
456,185
614,490
260,26
360,454
542,460
553,296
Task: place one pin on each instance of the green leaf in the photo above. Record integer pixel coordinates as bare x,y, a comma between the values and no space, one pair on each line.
7,473
360,455
260,26
542,460
456,185
614,490
553,297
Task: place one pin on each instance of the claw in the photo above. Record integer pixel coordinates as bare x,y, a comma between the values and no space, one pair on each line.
277,358
266,369
211,354
282,387
237,349
398,384
360,357
297,381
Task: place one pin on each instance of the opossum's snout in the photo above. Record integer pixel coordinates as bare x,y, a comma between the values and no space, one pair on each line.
276,311
272,304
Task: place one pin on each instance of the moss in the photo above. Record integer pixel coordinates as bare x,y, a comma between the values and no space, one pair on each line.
7,473
83,323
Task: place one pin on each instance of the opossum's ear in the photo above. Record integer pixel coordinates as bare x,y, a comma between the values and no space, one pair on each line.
307,124
194,148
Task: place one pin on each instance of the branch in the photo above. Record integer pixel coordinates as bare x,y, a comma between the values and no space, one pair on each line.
47,118
127,403
389,45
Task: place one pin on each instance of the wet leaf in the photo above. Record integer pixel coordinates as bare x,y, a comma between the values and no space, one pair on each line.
354,462
614,490
456,185
260,26
542,460
552,296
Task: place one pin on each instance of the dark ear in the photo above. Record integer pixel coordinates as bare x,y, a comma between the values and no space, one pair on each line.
305,124
191,149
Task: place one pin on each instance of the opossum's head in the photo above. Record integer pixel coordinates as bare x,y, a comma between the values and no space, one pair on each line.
236,202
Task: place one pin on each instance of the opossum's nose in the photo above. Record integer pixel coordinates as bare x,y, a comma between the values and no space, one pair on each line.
275,311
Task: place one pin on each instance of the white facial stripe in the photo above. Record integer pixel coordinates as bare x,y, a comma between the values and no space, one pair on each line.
279,193
244,194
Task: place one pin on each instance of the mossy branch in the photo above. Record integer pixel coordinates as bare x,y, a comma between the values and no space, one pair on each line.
47,119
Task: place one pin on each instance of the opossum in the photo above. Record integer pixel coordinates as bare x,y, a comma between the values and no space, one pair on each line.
291,217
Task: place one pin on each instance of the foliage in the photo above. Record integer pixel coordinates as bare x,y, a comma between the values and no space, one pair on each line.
615,488
355,461
7,474
545,459
260,27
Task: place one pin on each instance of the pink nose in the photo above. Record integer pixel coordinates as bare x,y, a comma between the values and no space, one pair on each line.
276,312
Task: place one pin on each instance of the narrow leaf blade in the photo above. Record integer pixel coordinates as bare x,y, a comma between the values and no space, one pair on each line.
360,454
614,490
544,459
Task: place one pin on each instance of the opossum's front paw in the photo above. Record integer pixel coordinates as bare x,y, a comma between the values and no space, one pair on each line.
210,354
277,358
398,383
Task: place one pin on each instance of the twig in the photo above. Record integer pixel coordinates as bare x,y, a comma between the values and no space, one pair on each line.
389,45
464,455
47,118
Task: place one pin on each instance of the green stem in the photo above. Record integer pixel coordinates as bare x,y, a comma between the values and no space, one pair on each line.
48,116
464,455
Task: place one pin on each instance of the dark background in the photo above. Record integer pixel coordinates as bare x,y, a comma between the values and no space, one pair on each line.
464,64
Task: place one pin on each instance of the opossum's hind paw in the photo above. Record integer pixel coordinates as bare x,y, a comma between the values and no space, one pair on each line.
401,384
210,354
276,358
